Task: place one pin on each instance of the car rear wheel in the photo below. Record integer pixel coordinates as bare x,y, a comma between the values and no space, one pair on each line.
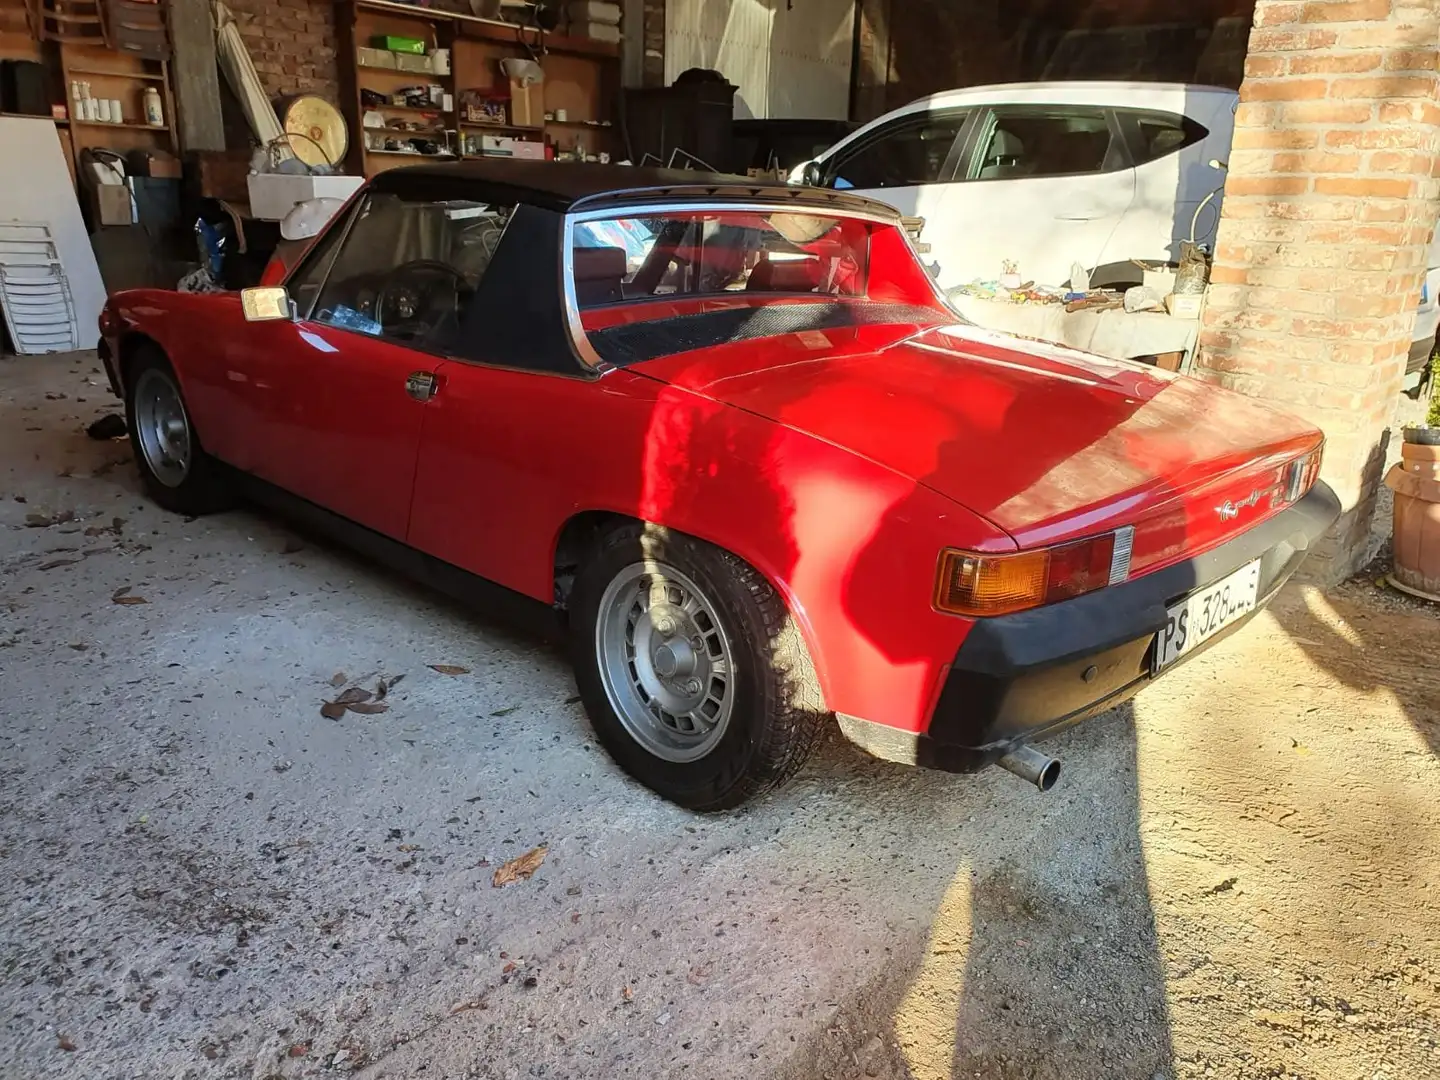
178,474
695,677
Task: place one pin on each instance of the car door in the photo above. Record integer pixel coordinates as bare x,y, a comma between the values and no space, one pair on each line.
1041,186
909,163
335,398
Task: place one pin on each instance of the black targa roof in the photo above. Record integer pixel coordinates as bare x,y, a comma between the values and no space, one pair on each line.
564,186
518,315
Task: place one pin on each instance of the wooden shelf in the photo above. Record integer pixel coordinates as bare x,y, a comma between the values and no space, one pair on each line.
427,76
434,111
471,126
417,157
594,124
96,72
127,126
509,33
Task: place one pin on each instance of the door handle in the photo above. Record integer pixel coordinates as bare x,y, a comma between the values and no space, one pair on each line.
421,385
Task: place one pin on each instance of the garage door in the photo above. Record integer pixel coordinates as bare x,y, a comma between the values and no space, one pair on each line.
789,60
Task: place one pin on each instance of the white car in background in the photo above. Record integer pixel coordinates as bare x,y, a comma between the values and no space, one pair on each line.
1426,336
1046,175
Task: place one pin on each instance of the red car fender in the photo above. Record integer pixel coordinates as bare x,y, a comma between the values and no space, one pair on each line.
852,547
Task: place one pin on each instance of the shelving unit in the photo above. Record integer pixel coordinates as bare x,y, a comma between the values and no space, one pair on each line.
581,77
117,76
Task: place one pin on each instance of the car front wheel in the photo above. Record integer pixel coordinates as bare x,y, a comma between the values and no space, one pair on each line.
695,677
178,474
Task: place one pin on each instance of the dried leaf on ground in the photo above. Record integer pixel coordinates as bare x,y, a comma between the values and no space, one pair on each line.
124,590
65,1043
129,600
353,695
520,867
367,708
627,993
332,711
338,679
466,1006
450,669
57,563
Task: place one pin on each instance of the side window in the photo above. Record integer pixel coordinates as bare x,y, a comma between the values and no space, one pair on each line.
912,151
408,268
1046,140
304,284
1156,134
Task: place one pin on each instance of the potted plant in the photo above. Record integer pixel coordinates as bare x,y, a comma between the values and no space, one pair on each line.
1415,480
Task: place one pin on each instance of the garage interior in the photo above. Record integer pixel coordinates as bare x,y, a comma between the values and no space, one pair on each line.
208,879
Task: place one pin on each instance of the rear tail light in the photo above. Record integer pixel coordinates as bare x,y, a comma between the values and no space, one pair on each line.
1301,474
968,583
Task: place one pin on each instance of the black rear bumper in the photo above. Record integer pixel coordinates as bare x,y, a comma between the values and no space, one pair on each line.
1021,678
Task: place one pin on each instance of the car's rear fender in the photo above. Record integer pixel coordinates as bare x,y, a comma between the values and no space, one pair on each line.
851,546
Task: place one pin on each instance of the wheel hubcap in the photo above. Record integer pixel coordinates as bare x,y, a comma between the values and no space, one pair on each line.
665,661
162,427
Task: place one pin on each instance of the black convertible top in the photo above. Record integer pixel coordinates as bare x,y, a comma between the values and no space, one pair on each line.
565,186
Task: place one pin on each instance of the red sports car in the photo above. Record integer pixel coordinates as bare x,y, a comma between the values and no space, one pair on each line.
750,462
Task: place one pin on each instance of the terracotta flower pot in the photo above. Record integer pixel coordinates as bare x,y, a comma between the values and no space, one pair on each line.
1415,480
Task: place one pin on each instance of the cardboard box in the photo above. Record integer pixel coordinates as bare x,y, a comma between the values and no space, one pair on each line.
503,146
110,204
525,105
1184,305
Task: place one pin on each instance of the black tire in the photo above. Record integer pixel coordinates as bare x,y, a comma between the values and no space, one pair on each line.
203,489
778,714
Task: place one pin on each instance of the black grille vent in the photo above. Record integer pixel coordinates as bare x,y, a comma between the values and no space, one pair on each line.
632,343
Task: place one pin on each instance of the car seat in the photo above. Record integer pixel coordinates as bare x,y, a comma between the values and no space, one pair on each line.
599,275
1003,158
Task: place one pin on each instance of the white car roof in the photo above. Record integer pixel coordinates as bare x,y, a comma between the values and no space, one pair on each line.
1169,95
1201,103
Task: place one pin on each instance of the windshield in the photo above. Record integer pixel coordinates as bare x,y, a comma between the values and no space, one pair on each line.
714,253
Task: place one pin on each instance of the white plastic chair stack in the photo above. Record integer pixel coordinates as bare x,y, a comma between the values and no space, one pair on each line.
39,310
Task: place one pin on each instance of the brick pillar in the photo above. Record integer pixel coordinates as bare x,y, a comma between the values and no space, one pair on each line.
1329,205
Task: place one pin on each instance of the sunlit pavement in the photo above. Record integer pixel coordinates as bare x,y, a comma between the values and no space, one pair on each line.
206,877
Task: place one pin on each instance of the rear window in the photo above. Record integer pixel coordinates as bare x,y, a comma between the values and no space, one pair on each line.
708,254
1157,134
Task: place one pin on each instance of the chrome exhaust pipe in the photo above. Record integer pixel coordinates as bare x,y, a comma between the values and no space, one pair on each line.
1029,764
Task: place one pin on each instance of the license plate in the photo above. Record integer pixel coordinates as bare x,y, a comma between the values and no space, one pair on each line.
1203,614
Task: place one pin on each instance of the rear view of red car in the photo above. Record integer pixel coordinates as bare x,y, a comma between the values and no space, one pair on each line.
728,439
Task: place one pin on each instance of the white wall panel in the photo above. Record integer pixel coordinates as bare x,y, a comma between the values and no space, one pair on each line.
789,58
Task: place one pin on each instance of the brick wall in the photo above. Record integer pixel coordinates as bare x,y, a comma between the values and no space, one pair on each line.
1329,206
291,43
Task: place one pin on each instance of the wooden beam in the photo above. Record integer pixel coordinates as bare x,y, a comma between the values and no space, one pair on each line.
195,76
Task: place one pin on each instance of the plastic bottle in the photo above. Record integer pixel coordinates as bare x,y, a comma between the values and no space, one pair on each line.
154,108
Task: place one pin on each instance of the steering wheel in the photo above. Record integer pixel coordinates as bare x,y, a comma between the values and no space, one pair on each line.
404,299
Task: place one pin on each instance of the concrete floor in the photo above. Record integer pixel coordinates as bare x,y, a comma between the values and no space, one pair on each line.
204,877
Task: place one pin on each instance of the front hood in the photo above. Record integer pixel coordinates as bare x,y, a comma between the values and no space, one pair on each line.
1041,440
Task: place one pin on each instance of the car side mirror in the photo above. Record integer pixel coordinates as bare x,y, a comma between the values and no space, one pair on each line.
266,304
810,174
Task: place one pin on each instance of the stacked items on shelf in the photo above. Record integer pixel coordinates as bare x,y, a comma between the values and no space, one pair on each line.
512,111
408,119
594,19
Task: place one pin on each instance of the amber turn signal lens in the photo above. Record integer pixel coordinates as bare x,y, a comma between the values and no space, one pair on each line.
968,583
971,584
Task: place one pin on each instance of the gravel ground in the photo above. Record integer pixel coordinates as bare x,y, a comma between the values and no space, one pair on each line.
206,877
